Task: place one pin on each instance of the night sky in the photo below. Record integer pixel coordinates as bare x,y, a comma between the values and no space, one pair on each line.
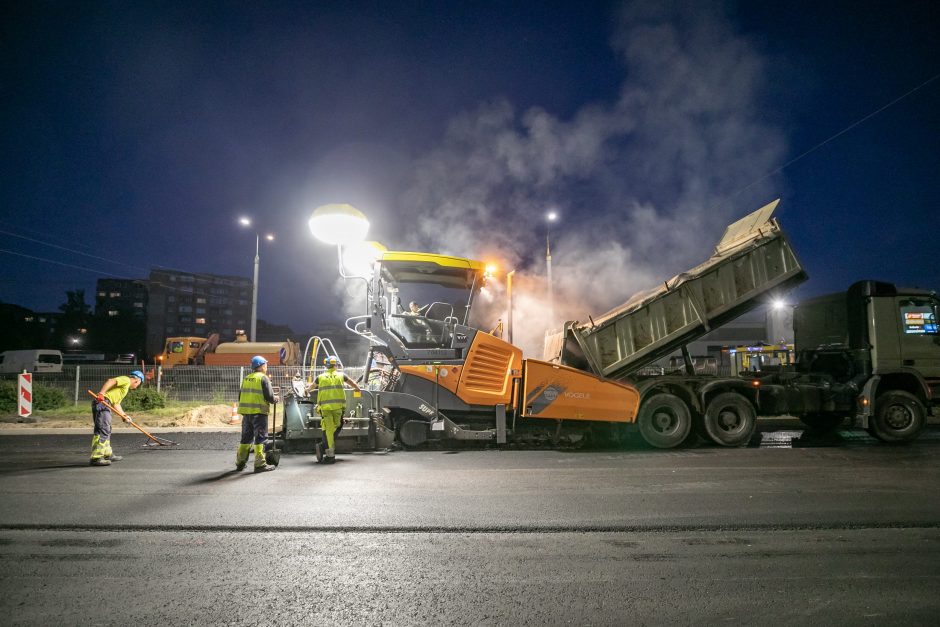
135,134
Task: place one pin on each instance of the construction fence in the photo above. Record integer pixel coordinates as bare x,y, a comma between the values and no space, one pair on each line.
206,384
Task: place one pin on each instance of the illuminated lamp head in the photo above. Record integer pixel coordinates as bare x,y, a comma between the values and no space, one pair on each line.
338,224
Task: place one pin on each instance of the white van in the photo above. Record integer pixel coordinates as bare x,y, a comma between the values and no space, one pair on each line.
36,360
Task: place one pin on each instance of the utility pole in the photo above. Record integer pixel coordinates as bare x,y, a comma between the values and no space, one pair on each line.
254,291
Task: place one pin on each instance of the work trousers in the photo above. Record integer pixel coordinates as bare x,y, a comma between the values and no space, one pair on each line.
331,421
254,428
102,417
101,441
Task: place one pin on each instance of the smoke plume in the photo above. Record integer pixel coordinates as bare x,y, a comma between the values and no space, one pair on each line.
643,185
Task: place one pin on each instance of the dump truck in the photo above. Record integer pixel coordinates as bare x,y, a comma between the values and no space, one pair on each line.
443,379
854,358
201,351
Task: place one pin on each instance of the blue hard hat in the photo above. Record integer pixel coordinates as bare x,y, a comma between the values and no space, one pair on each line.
257,361
138,374
331,361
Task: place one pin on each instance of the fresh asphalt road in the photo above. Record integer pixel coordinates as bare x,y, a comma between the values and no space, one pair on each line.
841,531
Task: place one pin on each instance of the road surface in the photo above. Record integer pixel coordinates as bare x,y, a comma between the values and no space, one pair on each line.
841,531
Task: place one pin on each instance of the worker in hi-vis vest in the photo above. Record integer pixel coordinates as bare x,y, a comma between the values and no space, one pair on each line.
113,391
331,402
254,401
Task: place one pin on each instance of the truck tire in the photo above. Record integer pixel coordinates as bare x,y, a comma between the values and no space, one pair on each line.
664,420
899,417
822,423
730,420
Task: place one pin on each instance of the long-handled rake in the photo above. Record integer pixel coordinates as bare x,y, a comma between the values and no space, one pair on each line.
154,440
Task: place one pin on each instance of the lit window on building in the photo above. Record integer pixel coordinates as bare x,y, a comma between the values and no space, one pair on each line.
115,294
112,312
200,320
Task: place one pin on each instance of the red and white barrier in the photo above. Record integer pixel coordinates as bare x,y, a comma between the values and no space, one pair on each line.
25,394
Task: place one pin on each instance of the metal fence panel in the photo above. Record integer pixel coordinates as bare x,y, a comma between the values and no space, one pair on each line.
207,384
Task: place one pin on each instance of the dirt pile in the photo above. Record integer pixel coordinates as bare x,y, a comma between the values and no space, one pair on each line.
205,416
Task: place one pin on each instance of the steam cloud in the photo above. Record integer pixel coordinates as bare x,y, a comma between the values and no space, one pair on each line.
643,185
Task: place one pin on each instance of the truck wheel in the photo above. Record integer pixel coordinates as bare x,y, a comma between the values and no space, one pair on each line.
822,423
664,420
899,417
730,420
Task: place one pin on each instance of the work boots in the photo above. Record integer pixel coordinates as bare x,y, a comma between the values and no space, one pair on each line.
261,464
241,456
100,452
330,456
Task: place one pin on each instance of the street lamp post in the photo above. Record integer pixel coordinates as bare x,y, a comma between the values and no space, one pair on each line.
509,276
254,288
550,217
254,291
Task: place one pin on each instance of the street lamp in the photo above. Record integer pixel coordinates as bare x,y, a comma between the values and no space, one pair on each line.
509,276
550,217
254,292
779,323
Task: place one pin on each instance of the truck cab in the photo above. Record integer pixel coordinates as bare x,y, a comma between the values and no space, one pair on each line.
180,351
882,343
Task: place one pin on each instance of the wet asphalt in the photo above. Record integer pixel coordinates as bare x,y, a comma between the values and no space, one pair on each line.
793,530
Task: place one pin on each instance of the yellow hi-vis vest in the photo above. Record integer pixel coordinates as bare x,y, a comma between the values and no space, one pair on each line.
251,398
330,392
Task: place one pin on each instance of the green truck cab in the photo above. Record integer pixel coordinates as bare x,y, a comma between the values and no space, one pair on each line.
871,353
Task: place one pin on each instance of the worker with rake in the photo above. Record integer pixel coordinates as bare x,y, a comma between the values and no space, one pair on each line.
254,401
110,395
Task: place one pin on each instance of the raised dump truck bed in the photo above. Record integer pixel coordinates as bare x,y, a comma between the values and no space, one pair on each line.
752,263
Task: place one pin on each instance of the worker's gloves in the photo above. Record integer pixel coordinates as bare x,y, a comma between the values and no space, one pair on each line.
100,398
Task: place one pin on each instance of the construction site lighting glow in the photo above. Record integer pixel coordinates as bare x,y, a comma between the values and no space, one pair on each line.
244,221
359,257
551,216
269,237
338,224
778,305
490,269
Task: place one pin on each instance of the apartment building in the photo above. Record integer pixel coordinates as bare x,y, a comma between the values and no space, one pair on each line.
186,303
